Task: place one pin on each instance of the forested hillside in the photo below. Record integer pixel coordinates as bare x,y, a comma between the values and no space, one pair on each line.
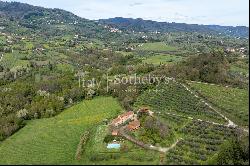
140,25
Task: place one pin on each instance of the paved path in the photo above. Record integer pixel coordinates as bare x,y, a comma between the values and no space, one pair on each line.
128,137
146,146
164,149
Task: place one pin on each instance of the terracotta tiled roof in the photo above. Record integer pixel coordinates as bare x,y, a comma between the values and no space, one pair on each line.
115,132
127,114
122,117
133,125
117,120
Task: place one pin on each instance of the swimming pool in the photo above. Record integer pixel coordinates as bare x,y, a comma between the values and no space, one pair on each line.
113,146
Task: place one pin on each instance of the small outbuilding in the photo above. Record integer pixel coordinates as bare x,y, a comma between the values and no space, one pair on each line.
115,132
134,125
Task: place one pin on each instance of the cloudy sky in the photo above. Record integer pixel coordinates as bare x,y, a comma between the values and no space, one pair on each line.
221,12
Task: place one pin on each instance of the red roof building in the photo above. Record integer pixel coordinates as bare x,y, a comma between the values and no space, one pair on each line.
134,125
123,118
115,132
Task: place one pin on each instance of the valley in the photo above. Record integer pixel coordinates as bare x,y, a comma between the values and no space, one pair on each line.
120,91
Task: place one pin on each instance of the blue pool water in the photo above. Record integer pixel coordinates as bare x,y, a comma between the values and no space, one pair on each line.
113,146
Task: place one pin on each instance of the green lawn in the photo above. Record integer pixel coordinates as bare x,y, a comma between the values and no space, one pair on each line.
55,140
161,58
232,101
157,46
133,154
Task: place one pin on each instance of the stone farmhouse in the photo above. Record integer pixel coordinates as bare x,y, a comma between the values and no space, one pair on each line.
123,118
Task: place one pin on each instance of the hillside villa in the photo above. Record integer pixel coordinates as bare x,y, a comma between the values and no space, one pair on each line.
123,118
129,116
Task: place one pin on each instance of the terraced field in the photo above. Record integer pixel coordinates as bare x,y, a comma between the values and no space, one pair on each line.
174,98
55,140
193,124
201,141
233,102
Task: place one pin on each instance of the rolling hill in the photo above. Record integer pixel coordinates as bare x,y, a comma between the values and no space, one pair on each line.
140,25
21,18
54,140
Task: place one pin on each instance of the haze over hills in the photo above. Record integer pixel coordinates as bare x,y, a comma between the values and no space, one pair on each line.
24,12
148,25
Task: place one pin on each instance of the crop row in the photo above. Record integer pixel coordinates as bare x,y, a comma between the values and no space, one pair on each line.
174,98
232,101
202,140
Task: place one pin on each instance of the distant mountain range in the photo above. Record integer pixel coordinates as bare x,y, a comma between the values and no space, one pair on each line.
140,25
33,17
23,18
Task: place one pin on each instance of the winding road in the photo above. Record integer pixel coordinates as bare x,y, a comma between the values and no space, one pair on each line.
165,149
146,146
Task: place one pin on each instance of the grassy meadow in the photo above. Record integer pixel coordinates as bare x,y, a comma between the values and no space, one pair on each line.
157,47
55,140
162,59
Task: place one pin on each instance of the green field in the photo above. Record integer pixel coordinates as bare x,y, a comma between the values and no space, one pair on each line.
232,101
55,140
162,59
157,47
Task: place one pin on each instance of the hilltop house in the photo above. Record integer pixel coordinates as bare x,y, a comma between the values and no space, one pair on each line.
123,118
